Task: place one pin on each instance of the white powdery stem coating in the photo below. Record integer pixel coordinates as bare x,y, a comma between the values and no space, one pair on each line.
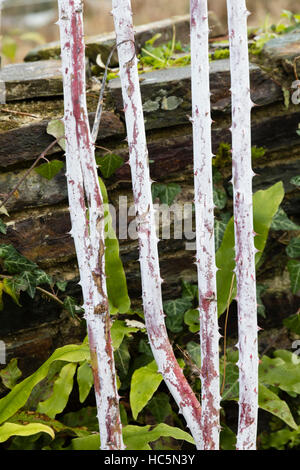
242,175
88,235
204,212
149,262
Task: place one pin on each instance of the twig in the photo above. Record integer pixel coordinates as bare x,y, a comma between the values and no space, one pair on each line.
42,155
5,110
98,114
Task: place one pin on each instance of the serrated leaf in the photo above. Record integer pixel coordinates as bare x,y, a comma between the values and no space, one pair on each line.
109,163
50,169
144,383
282,222
61,391
56,128
10,374
85,380
166,193
294,272
11,429
293,248
174,310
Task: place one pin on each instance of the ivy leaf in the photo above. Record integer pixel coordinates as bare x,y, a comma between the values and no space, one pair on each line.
282,222
296,179
191,318
144,383
3,227
71,306
56,128
12,287
85,380
160,407
29,278
220,198
10,374
219,228
61,285
189,290
50,169
16,263
193,350
294,271
293,248
175,310
166,193
293,323
109,164
41,277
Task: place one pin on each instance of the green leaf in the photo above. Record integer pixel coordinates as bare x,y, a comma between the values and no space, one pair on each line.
166,193
293,248
56,128
269,401
265,206
219,228
118,331
220,198
91,442
16,263
61,285
11,429
85,380
3,227
30,280
293,323
61,391
116,284
86,416
231,388
41,277
12,288
282,222
9,47
227,438
10,374
174,310
19,395
294,272
281,373
193,350
191,318
139,437
189,290
160,407
122,360
295,181
260,289
144,383
109,164
50,169
71,306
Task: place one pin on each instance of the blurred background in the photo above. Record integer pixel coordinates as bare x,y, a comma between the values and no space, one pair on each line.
27,23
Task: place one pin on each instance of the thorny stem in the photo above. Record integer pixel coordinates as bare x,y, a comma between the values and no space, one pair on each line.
148,253
204,211
242,175
88,233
